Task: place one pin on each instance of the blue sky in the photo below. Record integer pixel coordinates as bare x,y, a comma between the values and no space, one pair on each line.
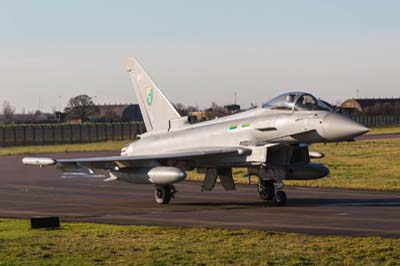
198,51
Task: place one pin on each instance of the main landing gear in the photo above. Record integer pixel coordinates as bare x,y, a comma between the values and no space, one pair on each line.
280,198
267,191
164,193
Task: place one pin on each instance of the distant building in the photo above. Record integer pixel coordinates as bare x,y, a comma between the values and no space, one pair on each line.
368,105
61,117
35,118
232,108
132,114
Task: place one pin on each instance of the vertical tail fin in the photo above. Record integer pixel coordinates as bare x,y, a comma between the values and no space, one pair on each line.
156,109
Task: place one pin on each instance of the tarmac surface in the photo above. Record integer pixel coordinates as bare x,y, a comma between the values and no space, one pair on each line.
31,191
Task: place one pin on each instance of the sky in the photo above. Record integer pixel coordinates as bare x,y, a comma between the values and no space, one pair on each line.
197,51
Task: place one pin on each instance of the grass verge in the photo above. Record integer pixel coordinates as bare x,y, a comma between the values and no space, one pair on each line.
96,244
371,164
97,146
360,165
384,130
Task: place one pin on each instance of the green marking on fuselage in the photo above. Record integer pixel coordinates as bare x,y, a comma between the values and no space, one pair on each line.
233,127
245,125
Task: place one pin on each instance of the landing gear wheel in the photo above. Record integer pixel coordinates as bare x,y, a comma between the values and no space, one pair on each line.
163,194
280,198
266,191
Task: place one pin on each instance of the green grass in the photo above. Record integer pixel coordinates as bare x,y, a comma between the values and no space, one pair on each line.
96,244
372,164
384,130
97,146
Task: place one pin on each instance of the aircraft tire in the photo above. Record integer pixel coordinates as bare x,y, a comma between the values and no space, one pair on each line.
267,192
280,198
163,194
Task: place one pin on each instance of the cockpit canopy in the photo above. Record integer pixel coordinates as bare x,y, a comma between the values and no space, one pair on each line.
296,101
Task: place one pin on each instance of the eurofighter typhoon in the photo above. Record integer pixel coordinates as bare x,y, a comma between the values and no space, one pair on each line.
270,141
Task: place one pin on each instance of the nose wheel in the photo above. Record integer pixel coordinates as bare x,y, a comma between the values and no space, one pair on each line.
164,193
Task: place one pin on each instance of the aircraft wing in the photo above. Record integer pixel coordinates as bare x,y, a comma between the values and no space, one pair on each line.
86,164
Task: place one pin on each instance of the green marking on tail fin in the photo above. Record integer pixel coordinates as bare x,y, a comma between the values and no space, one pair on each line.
149,91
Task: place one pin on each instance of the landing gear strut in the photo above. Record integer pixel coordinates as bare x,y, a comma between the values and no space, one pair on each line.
164,193
267,191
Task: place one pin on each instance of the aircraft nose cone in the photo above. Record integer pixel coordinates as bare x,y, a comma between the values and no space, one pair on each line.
337,127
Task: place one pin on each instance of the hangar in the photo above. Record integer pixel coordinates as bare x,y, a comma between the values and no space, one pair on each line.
364,105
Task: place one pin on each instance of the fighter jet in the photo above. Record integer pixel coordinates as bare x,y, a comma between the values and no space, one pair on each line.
271,141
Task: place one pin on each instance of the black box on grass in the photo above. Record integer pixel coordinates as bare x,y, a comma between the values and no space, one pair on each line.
45,222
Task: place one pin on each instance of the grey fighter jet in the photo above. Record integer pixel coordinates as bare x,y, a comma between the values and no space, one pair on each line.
270,141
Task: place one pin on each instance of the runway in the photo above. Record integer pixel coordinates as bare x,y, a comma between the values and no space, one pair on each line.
30,191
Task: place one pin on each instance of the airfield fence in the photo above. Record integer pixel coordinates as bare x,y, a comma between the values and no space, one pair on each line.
22,135
369,120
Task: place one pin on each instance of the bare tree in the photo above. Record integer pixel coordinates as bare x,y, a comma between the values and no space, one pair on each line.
8,112
185,110
81,107
180,108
